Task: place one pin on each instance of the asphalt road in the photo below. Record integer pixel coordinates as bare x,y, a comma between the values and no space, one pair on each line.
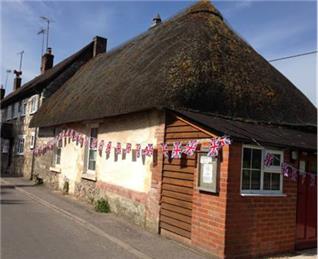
31,230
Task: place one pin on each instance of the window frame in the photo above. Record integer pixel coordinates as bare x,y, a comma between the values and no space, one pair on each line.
271,169
35,100
23,107
18,143
15,110
32,140
58,147
91,171
9,113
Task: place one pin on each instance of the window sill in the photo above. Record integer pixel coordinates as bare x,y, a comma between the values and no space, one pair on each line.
19,154
55,169
90,177
263,195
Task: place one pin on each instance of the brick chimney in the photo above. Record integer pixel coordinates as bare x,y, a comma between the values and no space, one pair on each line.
2,92
47,60
100,45
17,80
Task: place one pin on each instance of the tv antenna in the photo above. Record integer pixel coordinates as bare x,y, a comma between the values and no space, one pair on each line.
48,21
42,31
21,58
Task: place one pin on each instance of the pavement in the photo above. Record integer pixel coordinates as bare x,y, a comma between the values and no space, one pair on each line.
39,223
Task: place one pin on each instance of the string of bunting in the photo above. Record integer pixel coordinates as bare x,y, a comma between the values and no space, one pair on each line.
101,146
289,170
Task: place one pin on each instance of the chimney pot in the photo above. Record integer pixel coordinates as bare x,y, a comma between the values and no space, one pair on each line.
100,45
47,60
155,21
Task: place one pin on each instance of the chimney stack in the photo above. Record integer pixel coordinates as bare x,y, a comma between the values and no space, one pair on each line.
155,21
47,60
2,92
17,80
100,45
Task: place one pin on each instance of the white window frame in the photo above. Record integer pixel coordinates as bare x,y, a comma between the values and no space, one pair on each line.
270,169
9,113
18,145
58,146
23,107
90,171
34,99
15,109
5,145
32,140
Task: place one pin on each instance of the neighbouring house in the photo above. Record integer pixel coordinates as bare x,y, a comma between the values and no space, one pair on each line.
190,78
17,108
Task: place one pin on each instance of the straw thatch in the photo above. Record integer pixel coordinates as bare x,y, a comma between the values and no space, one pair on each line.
192,61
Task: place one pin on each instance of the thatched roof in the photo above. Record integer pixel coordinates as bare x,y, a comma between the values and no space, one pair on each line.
192,61
37,84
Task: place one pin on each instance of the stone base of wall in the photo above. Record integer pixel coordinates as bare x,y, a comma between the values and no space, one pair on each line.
126,203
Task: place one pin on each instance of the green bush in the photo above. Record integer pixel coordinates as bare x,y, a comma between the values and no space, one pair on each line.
102,205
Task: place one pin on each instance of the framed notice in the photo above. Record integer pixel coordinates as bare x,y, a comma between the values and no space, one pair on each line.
208,170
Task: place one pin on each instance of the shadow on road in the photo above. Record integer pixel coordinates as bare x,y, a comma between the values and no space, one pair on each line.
10,202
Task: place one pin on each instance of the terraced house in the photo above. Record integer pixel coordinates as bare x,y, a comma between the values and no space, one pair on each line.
190,78
17,108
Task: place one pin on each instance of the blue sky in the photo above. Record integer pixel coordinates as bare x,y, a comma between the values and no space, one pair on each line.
274,28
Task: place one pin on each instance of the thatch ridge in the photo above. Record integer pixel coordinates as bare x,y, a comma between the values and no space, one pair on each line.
192,61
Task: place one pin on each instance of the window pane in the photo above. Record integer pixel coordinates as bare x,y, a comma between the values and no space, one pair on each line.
94,132
92,155
267,181
256,180
257,159
275,181
276,160
246,180
91,165
246,158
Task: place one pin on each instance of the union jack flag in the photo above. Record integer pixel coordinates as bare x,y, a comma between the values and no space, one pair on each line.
268,161
148,151
214,148
108,147
294,175
286,170
74,136
224,141
164,149
100,147
128,148
138,147
191,147
177,150
118,148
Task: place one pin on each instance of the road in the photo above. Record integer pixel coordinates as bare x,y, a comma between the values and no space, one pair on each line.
31,230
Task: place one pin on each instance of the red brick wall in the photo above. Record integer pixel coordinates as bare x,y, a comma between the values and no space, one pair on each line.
209,213
258,226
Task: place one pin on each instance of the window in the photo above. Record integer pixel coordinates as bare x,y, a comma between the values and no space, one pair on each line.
3,114
92,151
32,141
22,107
5,145
20,145
15,110
57,153
33,104
9,112
258,178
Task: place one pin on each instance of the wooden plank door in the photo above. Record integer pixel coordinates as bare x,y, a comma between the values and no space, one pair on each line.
306,220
